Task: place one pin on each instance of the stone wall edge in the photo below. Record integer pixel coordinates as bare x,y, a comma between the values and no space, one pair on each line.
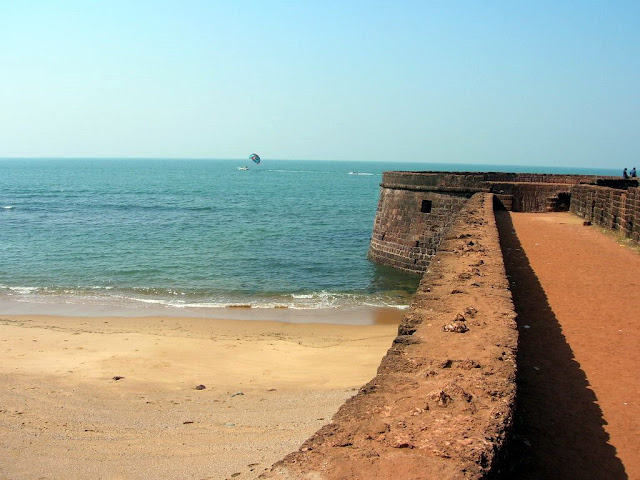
443,399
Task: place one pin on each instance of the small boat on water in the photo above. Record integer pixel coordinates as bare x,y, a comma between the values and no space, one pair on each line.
243,168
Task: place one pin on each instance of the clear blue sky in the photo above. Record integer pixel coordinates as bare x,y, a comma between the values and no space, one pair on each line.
509,82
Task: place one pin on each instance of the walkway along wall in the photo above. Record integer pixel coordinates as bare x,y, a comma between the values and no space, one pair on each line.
441,405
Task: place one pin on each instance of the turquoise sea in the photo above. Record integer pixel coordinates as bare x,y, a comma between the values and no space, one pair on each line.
195,237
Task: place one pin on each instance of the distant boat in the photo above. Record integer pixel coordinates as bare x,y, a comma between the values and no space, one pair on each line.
359,173
243,168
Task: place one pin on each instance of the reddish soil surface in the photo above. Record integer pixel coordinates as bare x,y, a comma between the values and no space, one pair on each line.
576,292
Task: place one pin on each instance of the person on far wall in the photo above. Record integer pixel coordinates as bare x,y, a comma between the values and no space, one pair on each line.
633,172
624,173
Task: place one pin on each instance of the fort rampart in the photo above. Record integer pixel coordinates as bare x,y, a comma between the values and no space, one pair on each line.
442,403
417,208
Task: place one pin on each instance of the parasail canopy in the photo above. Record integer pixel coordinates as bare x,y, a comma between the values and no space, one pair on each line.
255,157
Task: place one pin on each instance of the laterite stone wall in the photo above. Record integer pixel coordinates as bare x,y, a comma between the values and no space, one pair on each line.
611,208
405,236
441,405
416,209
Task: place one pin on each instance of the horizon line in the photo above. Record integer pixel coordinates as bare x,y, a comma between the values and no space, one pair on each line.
294,159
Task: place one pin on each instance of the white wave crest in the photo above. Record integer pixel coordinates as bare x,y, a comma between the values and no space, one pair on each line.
23,290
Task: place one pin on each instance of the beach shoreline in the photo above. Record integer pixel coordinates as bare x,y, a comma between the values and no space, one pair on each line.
120,397
63,307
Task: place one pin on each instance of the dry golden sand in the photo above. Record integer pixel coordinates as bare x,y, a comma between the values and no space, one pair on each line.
269,386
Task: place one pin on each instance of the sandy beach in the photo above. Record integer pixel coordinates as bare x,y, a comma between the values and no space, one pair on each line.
116,398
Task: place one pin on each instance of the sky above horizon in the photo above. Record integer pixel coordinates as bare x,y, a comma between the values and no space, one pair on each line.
496,82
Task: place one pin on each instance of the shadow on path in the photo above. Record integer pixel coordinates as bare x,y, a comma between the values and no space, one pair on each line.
559,427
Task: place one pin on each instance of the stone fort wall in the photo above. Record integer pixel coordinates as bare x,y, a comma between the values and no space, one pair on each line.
442,402
617,209
416,209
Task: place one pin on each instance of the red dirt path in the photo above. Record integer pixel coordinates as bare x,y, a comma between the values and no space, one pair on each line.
577,295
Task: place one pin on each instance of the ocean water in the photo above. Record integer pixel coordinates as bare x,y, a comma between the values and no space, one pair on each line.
144,236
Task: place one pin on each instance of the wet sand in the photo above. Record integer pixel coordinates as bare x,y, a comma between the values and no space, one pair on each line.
116,398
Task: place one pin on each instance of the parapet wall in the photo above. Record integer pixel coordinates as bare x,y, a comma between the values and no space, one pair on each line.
417,208
612,208
441,405
476,181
